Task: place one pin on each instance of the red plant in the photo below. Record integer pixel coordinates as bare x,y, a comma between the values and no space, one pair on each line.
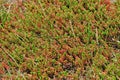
62,51
107,3
1,71
22,16
5,65
20,2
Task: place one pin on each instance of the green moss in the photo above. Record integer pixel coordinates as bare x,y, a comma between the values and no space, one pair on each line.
60,39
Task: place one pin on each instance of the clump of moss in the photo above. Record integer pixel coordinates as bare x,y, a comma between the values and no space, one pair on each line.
60,40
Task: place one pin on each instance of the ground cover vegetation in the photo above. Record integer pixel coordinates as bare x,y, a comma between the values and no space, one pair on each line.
60,40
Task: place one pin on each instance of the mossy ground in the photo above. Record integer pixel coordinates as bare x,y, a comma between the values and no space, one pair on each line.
60,40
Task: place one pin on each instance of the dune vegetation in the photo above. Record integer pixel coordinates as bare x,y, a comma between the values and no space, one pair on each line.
60,40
